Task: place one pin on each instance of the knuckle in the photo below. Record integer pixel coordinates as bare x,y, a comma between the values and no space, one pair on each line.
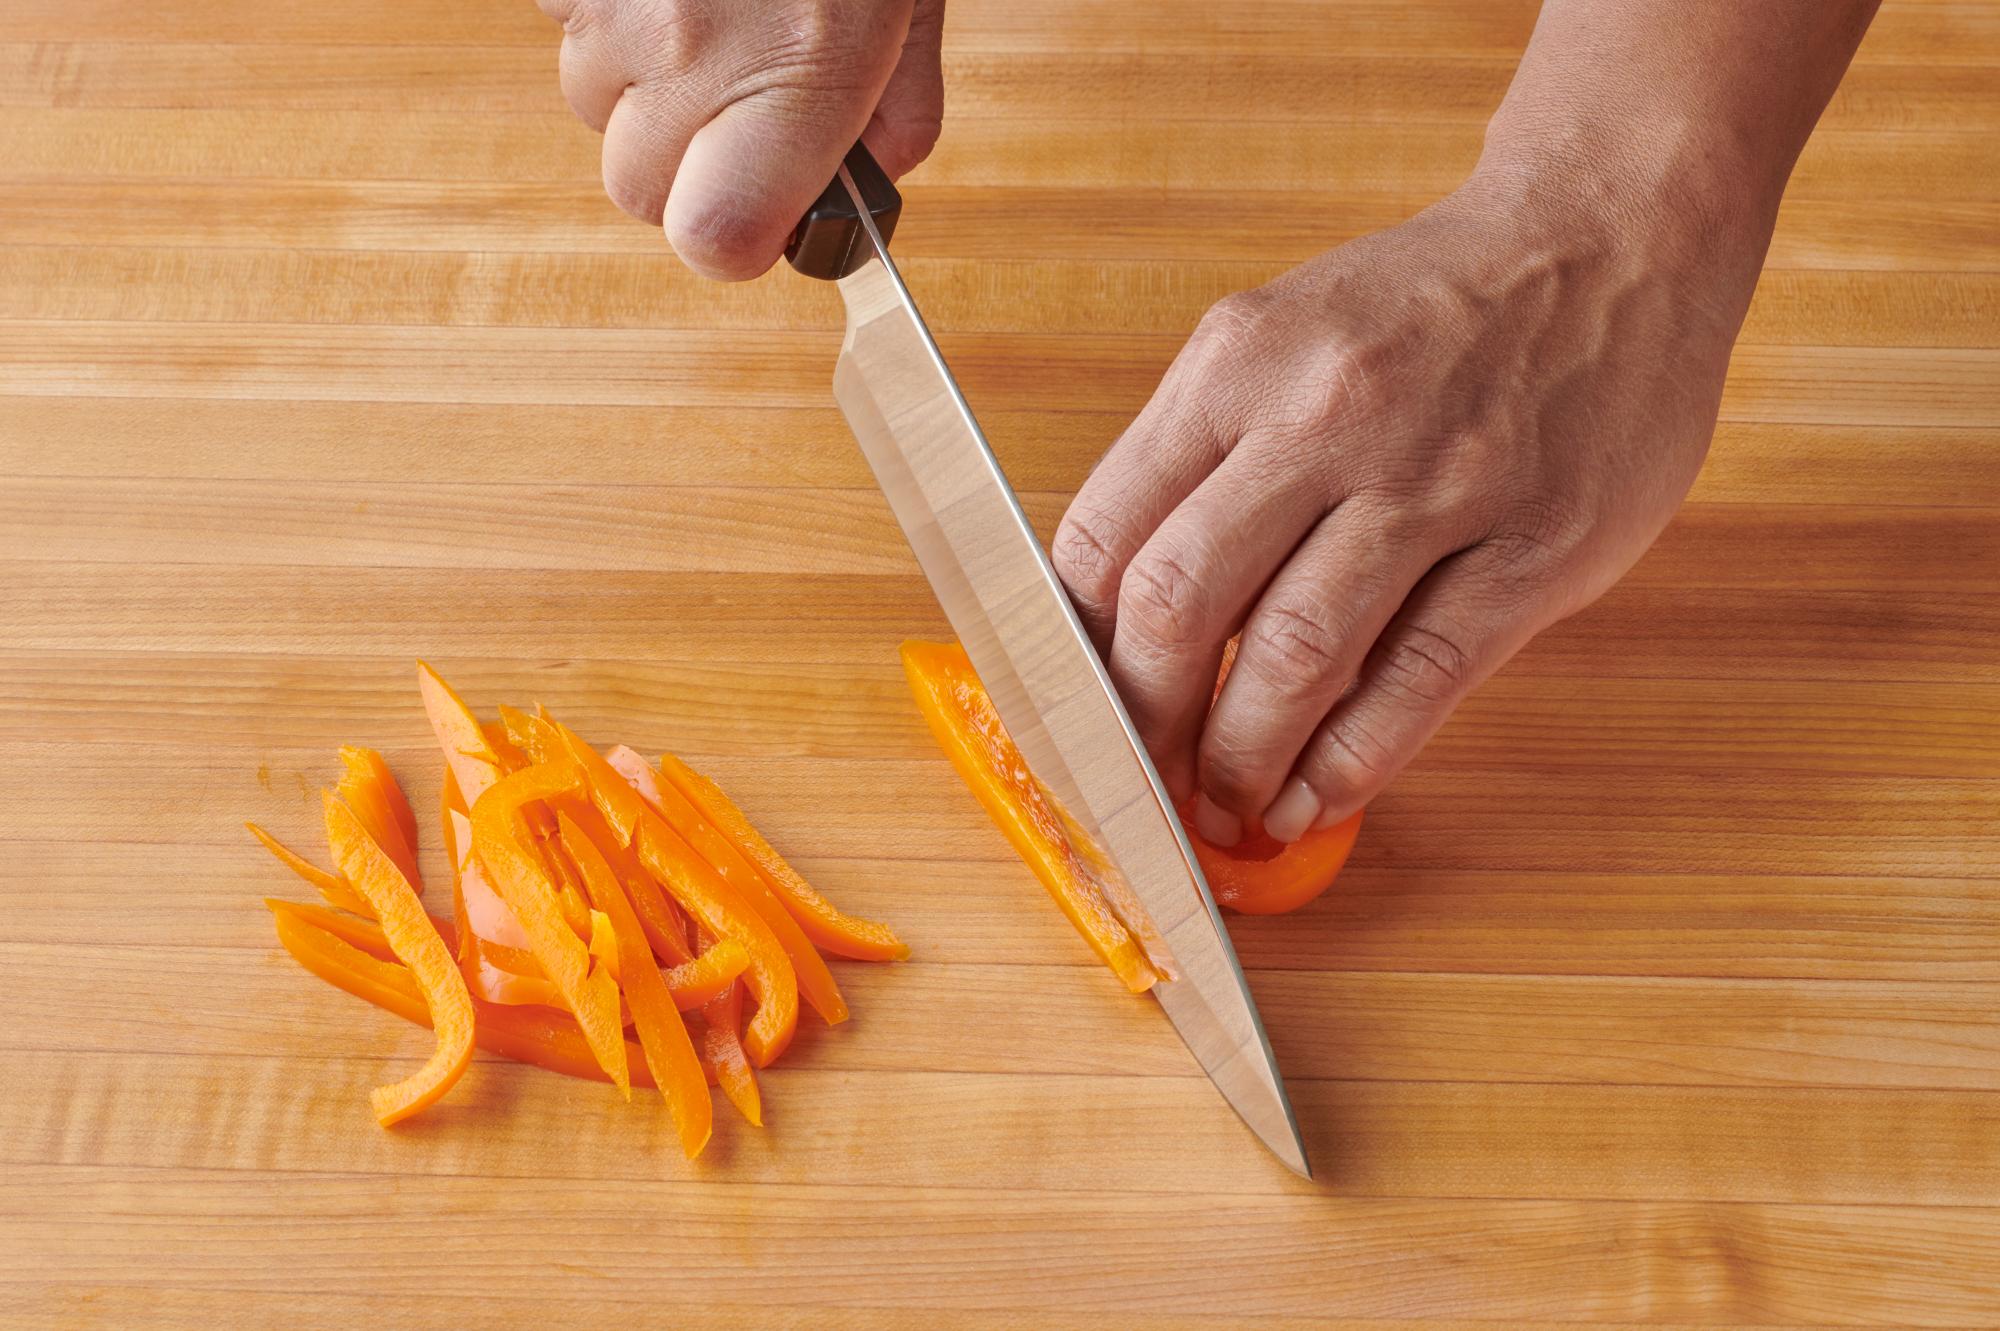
1161,596
1353,762
1227,329
1425,667
1086,553
1293,648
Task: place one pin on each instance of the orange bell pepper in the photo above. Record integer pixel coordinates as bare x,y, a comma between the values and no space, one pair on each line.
723,1057
1263,876
825,925
331,885
540,1036
352,930
816,983
500,841
962,719
664,925
669,1053
419,946
474,765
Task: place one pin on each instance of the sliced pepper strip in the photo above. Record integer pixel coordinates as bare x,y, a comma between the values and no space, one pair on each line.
962,719
1263,876
723,1058
697,983
499,842
669,1053
664,925
331,885
419,946
388,788
364,934
829,929
704,896
538,1036
474,764
816,983
700,891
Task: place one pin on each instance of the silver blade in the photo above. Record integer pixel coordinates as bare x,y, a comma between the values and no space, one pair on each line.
1001,594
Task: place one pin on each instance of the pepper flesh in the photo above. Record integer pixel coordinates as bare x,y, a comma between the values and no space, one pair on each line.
962,719
816,984
499,841
826,926
668,1051
1263,876
417,943
372,791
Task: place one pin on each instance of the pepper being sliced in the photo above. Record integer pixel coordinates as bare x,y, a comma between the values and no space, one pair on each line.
816,983
1264,876
962,719
669,1053
824,924
417,943
499,840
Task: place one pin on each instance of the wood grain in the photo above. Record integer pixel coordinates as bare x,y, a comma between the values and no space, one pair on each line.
1664,990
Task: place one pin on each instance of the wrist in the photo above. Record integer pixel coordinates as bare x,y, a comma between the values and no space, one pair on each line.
1676,187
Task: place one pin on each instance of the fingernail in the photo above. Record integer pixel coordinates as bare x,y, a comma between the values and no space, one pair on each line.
1292,813
1218,827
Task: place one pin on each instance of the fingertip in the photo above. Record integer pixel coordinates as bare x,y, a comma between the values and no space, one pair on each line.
1294,812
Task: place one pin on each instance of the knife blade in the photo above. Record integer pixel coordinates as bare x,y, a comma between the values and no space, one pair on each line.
997,587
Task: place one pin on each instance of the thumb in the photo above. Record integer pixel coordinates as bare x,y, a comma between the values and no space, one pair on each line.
751,172
905,125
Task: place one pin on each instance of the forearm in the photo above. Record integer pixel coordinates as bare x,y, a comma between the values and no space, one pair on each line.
1693,107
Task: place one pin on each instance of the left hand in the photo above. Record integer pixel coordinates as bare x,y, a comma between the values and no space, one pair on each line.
1388,469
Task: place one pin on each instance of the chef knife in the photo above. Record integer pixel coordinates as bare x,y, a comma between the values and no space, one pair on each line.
1001,594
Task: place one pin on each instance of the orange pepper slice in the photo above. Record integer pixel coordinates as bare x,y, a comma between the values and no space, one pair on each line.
723,1058
961,717
704,896
1263,876
695,984
816,983
417,943
825,925
370,789
331,885
539,1036
500,842
702,893
474,765
665,927
669,1053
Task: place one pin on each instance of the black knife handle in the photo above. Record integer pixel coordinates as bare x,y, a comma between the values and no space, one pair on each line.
828,242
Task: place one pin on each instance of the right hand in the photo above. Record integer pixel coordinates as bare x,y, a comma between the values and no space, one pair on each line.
724,119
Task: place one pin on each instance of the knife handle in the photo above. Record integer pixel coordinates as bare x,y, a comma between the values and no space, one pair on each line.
828,242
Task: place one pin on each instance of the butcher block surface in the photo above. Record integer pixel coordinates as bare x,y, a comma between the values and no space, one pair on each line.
1664,990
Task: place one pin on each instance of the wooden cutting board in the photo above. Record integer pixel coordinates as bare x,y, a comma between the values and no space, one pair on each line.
1663,990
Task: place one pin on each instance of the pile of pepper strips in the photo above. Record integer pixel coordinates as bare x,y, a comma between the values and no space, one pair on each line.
589,893
577,876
